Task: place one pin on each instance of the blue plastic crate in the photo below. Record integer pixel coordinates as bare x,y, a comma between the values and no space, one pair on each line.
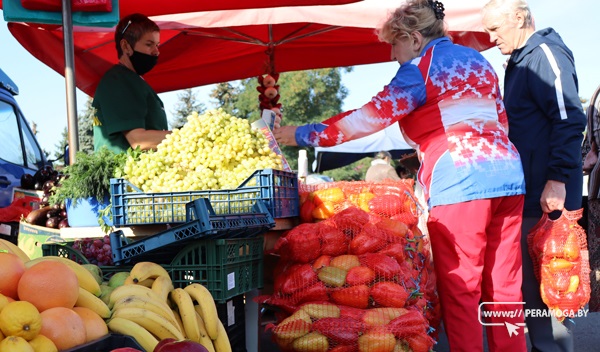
276,188
201,222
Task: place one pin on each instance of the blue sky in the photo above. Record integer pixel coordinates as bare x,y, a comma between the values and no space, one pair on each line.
43,93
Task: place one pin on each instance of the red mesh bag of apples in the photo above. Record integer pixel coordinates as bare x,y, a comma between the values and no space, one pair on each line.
558,249
355,280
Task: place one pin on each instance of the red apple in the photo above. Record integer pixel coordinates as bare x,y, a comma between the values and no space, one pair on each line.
172,345
271,92
269,81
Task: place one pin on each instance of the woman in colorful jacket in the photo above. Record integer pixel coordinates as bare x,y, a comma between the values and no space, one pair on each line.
446,98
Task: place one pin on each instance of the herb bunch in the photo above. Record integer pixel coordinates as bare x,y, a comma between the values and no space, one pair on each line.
90,175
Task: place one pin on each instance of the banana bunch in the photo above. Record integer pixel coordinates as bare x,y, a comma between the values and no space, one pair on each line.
14,249
149,308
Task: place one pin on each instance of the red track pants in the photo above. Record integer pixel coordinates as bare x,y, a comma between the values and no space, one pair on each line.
477,258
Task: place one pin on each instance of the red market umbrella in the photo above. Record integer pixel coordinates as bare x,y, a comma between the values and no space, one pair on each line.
200,48
161,7
150,8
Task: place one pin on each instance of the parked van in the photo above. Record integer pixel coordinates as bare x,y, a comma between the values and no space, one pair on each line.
20,151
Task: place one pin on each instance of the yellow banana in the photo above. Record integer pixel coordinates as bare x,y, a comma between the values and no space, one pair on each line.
185,306
221,343
148,303
88,300
162,285
130,281
156,324
127,327
208,308
178,319
204,338
147,270
87,281
133,290
14,249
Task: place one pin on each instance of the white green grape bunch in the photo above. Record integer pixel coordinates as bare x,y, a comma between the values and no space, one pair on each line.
211,151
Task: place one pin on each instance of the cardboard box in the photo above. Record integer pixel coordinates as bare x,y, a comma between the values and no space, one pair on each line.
22,193
31,238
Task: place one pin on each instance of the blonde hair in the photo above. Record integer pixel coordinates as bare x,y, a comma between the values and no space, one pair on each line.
510,7
414,15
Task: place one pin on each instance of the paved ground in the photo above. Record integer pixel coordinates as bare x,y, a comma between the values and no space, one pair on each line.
587,335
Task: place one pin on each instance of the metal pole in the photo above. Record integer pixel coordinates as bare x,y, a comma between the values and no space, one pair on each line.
70,80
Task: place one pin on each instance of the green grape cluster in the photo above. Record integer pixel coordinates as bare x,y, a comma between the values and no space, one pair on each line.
211,151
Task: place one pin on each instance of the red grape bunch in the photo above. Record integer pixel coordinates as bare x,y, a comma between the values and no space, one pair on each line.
96,250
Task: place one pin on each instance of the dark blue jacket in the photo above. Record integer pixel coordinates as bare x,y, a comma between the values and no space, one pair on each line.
546,119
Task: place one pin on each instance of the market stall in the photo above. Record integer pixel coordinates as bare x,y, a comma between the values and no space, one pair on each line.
266,41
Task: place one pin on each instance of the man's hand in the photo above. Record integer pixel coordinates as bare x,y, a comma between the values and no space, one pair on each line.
286,135
553,196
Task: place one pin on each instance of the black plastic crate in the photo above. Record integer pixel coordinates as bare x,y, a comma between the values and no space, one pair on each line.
232,314
276,188
107,343
202,222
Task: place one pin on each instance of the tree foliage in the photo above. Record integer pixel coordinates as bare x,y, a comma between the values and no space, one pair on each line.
187,103
85,134
85,127
307,97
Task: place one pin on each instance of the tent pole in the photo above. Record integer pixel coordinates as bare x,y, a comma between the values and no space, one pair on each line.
70,80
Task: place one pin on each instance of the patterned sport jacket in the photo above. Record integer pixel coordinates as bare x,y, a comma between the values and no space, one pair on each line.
450,110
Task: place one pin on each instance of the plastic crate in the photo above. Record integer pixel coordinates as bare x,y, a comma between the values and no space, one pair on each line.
226,267
232,314
107,343
202,221
66,250
276,188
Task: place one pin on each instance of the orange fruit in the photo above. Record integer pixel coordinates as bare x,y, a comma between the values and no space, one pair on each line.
11,269
49,284
20,318
63,326
43,344
15,344
95,327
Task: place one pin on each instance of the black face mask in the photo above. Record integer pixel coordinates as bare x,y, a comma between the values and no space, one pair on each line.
142,63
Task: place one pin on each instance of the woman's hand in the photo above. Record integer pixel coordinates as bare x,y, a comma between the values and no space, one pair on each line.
286,135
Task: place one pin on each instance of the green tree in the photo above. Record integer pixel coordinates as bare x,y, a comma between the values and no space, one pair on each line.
85,134
225,96
85,127
188,103
306,96
60,147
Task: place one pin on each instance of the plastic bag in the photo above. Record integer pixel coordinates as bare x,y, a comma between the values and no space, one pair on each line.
558,249
77,5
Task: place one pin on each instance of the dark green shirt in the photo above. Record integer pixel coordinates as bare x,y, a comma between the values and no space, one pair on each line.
124,101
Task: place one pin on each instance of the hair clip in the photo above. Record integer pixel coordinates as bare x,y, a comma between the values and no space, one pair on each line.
126,26
438,9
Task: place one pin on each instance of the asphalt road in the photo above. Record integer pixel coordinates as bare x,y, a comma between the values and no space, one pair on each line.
587,335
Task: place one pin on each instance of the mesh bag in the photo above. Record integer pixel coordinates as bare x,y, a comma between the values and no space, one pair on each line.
355,280
558,249
390,198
